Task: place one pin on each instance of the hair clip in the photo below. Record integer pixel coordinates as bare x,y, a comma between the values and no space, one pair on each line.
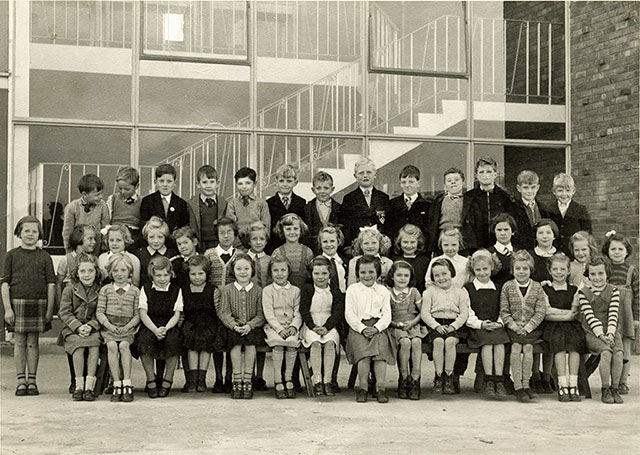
610,233
370,228
105,229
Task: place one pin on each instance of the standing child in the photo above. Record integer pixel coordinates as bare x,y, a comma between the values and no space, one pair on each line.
599,307
450,242
409,246
117,238
406,303
291,228
28,295
241,312
155,233
257,238
322,210
159,337
582,248
281,308
89,209
124,204
487,332
569,216
187,243
206,207
246,208
522,310
370,242
562,331
221,255
118,316
527,210
625,277
504,228
202,331
283,202
445,309
546,232
81,329
368,313
410,207
322,310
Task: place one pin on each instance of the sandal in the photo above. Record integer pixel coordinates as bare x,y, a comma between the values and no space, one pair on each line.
574,394
117,394
164,391
152,392
564,394
21,390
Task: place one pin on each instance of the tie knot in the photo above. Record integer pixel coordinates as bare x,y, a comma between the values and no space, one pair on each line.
285,201
245,200
87,207
209,202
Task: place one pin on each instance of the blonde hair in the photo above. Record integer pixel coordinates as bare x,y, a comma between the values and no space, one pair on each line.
410,230
564,180
452,232
384,242
156,223
483,255
364,161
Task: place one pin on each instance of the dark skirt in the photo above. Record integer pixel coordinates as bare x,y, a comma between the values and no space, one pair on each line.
147,343
534,337
482,337
565,336
381,347
254,338
460,333
202,337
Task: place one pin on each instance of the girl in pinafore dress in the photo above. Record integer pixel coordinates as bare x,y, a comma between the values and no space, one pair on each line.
322,309
292,228
117,312
28,295
202,331
372,242
487,331
81,329
582,248
368,313
562,332
410,247
281,308
241,312
406,303
160,338
600,310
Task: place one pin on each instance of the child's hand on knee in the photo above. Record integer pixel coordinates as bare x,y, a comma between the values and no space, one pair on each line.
284,333
442,329
9,316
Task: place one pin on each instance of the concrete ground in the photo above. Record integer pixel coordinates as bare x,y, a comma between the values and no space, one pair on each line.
215,424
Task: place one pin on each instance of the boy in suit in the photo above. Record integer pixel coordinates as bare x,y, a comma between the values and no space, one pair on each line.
322,210
364,206
527,211
164,203
569,216
410,207
283,202
205,208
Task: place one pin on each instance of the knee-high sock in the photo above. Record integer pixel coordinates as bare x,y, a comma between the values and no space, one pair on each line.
315,355
290,360
277,356
329,359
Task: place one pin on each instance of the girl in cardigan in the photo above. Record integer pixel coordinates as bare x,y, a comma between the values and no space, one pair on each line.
445,309
625,277
80,329
28,295
406,303
241,312
281,308
599,306
291,228
159,337
370,242
410,247
522,310
118,316
322,309
562,332
582,248
368,313
487,332
450,242
117,238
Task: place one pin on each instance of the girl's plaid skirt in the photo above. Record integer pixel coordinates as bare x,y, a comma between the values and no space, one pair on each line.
30,315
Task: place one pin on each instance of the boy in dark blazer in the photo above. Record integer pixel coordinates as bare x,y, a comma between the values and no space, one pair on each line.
283,202
569,216
527,210
410,207
364,206
205,208
322,210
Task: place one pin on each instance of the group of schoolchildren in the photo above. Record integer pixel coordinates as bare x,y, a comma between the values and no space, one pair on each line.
160,278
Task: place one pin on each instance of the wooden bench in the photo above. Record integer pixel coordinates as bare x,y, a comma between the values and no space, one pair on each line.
304,365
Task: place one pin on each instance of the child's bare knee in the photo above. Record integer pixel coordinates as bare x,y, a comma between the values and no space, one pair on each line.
112,347
405,343
527,348
438,343
123,347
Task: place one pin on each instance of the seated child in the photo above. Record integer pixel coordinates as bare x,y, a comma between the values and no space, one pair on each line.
409,247
117,239
370,242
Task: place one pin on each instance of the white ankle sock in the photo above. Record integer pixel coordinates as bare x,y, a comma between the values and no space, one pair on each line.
90,382
79,383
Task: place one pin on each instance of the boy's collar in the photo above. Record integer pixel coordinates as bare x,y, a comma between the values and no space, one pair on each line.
204,198
488,190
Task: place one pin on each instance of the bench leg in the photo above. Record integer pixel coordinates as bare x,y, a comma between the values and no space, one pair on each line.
583,379
352,377
102,374
305,373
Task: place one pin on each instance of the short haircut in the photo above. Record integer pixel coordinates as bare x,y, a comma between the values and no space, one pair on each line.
410,171
580,236
226,221
368,259
453,170
615,237
185,231
165,169
564,180
547,222
116,259
77,235
321,261
523,256
322,176
289,219
129,175
287,171
527,177
599,260
198,260
206,171
246,172
362,162
410,230
485,256
486,161
503,217
452,232
254,228
155,223
89,183
559,257
240,256
28,219
401,265
159,263
122,229
384,242
84,258
443,262
330,229
278,259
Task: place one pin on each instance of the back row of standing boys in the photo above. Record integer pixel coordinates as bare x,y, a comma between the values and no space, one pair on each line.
485,220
